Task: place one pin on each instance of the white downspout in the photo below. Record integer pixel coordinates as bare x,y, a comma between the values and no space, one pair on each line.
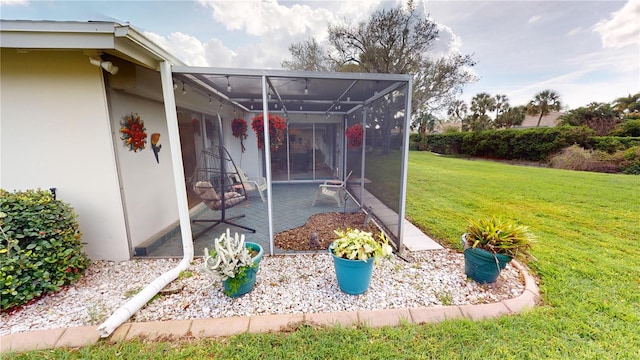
130,307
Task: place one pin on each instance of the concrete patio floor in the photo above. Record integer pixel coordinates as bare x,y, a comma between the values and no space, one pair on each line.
292,206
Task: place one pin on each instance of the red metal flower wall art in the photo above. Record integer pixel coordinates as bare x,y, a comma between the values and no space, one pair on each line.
239,128
354,135
277,130
133,132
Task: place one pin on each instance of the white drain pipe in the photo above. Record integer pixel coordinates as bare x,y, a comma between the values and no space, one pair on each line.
130,307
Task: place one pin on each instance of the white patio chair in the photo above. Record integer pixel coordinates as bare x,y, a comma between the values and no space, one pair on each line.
251,183
334,189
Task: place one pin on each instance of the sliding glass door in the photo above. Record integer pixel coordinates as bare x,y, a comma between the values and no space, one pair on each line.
310,154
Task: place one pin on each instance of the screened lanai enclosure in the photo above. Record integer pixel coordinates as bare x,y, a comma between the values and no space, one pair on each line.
325,128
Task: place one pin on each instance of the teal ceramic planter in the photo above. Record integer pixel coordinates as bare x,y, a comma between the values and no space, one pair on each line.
353,276
483,266
250,274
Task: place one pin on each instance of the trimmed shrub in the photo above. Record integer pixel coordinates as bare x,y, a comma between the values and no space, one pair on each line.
577,158
511,144
415,137
611,144
630,127
631,162
40,246
450,143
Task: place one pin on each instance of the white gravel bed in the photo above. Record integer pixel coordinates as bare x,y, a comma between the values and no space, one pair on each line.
285,285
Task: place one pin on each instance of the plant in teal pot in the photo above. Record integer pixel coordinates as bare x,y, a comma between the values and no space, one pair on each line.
234,262
490,244
355,253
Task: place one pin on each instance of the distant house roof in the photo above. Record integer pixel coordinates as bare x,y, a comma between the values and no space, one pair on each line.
550,120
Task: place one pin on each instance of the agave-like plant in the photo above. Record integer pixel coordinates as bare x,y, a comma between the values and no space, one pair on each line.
500,236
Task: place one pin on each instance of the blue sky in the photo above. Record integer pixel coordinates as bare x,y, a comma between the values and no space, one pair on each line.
585,50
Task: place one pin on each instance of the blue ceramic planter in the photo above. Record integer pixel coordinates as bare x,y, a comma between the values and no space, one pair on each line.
353,276
250,282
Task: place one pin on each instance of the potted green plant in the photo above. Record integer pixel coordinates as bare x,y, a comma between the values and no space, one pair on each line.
234,262
354,254
490,243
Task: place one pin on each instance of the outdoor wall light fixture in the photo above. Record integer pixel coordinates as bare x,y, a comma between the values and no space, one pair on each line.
228,84
106,65
184,91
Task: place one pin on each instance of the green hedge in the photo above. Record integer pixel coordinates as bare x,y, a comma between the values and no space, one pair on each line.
611,144
40,246
631,127
529,144
450,143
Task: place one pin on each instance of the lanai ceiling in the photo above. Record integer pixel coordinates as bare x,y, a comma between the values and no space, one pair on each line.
291,91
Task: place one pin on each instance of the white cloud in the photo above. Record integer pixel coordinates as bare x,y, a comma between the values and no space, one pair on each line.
447,36
273,27
14,2
622,28
574,31
218,55
264,18
534,19
187,48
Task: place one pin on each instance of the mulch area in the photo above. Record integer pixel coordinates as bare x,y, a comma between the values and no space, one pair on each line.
317,233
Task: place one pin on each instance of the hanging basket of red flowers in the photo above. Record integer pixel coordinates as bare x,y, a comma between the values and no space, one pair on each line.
239,129
354,135
277,130
133,132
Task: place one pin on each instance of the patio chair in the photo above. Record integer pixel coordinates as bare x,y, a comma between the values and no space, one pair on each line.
213,183
334,189
210,197
251,183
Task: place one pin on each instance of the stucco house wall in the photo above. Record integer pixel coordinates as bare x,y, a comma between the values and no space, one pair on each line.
56,133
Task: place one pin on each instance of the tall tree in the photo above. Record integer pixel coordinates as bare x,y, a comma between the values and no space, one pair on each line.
513,116
395,41
426,122
628,104
482,103
601,117
308,56
458,110
502,104
544,103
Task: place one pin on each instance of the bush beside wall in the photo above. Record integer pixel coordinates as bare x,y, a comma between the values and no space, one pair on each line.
40,246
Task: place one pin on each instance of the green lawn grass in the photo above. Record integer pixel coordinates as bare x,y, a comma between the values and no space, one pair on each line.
587,225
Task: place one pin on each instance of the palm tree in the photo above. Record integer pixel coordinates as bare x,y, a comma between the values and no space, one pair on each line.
502,104
511,117
482,103
458,109
543,103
